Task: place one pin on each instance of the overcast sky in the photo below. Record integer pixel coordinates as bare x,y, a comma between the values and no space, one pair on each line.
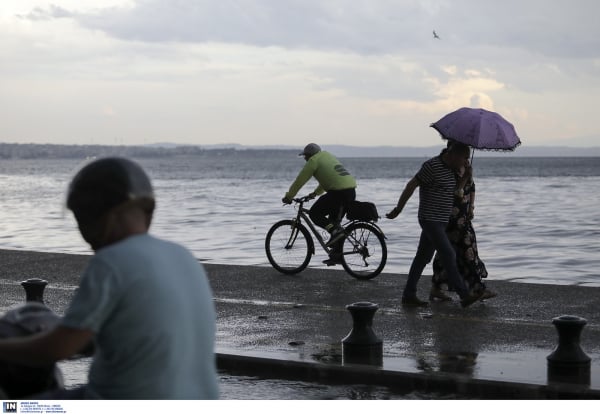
267,72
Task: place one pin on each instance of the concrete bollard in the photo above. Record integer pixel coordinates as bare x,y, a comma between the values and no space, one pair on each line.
568,362
361,345
34,289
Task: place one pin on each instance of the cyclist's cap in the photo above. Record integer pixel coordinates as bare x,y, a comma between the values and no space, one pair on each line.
310,150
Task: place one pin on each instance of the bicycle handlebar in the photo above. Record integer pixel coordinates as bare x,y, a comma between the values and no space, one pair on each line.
303,199
300,200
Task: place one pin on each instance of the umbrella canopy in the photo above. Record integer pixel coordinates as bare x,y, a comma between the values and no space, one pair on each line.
478,128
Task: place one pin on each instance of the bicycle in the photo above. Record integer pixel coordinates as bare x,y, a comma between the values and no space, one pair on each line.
289,244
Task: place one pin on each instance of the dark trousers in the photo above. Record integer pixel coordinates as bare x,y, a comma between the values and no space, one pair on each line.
434,238
326,210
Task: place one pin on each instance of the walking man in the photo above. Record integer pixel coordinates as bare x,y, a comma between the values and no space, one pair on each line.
437,183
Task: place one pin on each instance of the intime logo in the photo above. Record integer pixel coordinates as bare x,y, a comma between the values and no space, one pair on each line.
9,407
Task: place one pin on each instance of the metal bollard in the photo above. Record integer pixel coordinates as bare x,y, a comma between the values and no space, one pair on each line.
34,289
361,345
568,362
18,380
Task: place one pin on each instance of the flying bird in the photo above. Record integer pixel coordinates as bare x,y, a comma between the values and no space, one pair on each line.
435,36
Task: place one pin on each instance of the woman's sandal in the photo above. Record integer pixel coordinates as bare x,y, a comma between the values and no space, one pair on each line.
488,294
436,293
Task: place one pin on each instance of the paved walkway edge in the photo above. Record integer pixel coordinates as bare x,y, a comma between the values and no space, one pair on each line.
400,382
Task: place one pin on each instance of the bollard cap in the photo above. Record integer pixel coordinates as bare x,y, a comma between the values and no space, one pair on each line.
34,281
362,305
569,320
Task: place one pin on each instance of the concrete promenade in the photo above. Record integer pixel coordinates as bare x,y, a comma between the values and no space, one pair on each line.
274,325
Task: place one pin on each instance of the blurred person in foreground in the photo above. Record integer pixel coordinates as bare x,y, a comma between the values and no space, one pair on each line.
437,183
145,304
338,187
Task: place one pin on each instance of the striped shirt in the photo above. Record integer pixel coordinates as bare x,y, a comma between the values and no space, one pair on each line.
437,183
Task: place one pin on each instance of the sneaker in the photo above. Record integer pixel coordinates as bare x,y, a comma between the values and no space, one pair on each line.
414,301
470,299
336,234
437,293
333,260
488,294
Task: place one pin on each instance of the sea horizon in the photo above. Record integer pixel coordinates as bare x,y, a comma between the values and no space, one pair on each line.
165,149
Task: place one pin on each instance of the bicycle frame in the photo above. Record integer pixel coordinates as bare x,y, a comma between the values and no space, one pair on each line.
303,214
361,249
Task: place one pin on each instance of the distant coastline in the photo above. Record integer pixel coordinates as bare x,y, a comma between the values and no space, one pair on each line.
56,151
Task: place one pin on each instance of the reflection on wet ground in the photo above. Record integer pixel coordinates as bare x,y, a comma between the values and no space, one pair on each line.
235,387
503,366
517,366
240,387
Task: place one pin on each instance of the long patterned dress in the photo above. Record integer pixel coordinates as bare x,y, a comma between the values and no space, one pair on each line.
462,236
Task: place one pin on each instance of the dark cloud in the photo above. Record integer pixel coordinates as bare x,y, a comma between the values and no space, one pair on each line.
359,26
543,28
551,29
49,13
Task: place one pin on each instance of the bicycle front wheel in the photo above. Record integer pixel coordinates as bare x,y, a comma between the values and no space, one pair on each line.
289,246
364,252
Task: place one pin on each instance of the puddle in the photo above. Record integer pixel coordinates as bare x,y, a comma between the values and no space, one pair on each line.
236,387
240,387
526,367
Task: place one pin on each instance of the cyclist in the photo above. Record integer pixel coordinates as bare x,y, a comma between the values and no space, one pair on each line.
339,188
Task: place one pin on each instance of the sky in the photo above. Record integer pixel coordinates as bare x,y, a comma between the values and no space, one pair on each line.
289,72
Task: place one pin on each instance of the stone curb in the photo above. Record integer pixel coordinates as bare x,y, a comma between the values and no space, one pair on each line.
397,381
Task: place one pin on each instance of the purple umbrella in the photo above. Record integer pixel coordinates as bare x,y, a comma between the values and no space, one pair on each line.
479,129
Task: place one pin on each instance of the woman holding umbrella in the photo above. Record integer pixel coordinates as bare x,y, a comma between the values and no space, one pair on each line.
483,130
462,236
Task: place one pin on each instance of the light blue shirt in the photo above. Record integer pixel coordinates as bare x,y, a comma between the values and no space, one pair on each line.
150,306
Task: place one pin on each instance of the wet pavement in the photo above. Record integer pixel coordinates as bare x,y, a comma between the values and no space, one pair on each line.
278,326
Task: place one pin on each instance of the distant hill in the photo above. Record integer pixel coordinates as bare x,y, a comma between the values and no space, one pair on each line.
35,151
32,151
392,151
389,151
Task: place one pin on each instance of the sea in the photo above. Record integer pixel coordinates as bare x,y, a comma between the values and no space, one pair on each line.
537,219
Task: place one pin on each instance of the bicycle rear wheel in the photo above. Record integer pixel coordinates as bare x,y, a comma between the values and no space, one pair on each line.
364,252
289,246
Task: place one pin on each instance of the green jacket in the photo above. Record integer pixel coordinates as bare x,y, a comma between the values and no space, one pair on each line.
327,170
